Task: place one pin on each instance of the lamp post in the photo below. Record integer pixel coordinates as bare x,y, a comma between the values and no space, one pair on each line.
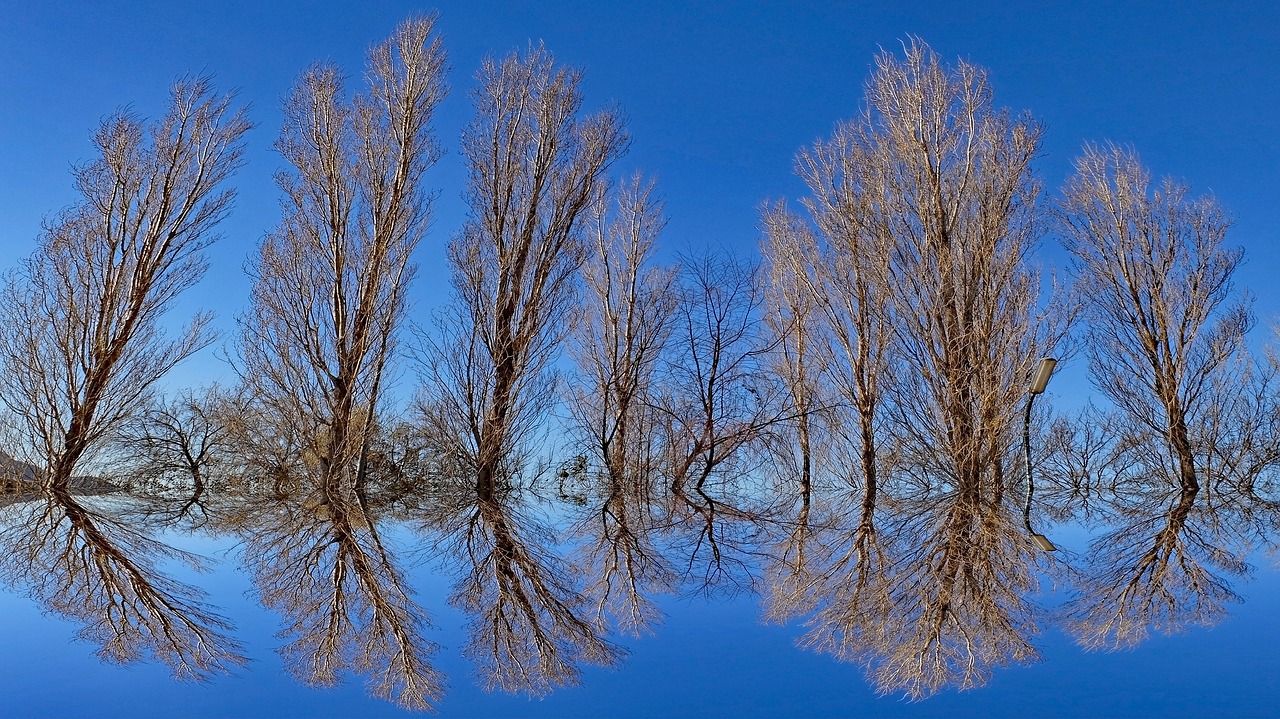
1038,382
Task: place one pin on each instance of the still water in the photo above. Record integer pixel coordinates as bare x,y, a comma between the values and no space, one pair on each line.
563,600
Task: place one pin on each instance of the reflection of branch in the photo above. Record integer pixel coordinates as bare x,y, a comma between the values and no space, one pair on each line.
790,574
838,575
1150,573
172,506
940,603
958,598
322,564
527,632
83,565
715,537
621,557
1180,517
846,594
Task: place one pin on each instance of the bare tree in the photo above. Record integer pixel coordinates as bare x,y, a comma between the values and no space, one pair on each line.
618,345
1193,425
835,264
330,281
851,277
718,396
833,570
924,213
836,268
179,437
619,340
172,449
800,448
535,168
82,344
717,405
1241,435
951,180
793,317
1164,337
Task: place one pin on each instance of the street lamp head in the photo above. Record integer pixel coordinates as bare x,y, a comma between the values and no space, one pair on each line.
1041,376
1043,542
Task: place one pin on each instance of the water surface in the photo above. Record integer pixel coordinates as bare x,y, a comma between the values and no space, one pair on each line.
570,600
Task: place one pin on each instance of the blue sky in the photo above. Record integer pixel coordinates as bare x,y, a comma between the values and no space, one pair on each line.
718,98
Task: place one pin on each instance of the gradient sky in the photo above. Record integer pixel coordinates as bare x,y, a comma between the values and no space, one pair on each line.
718,97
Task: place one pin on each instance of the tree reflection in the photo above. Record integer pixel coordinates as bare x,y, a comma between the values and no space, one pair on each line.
924,577
80,561
1154,570
321,562
715,538
1172,545
832,570
529,628
937,597
962,576
620,556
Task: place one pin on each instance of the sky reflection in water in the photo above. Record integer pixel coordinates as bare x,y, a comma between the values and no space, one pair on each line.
541,593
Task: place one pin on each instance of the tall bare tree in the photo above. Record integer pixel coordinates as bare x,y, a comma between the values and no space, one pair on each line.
835,267
83,343
535,166
1165,337
833,569
952,182
618,343
799,450
1193,425
330,281
950,178
837,259
851,277
793,317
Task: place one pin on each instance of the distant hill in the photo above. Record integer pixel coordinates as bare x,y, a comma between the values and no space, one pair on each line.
18,477
14,471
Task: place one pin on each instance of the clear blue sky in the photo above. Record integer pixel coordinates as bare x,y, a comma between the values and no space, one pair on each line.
718,96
